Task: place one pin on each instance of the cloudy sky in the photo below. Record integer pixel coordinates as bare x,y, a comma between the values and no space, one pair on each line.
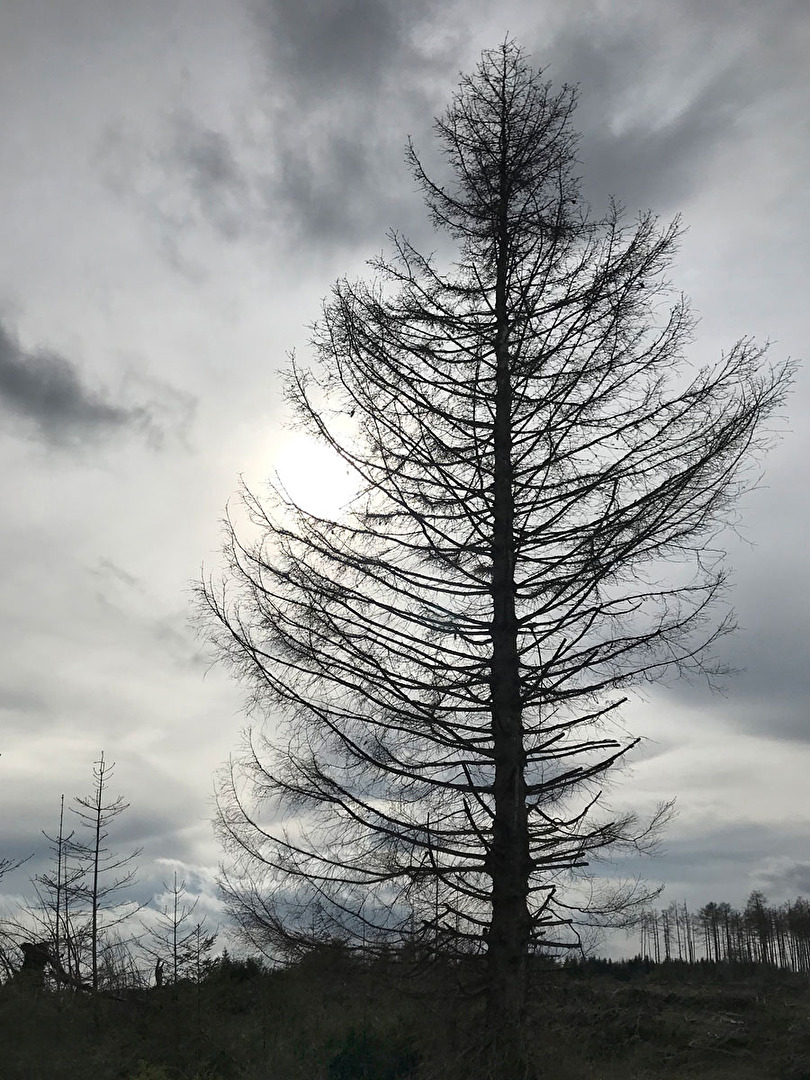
181,181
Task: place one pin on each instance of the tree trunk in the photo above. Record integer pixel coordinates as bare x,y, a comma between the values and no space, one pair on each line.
510,929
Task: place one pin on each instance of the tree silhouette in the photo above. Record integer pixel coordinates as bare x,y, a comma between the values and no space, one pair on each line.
95,887
180,948
541,479
57,894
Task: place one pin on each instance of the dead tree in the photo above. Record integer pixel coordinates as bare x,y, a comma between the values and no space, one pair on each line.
95,887
172,938
531,452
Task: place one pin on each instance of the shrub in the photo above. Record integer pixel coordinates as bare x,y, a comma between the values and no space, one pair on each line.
364,1056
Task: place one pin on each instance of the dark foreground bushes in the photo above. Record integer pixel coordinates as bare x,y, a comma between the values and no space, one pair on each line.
331,1018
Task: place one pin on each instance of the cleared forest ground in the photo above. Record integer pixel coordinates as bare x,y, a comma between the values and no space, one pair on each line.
331,1019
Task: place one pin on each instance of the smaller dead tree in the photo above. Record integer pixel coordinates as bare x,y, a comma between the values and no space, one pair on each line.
180,948
57,894
96,888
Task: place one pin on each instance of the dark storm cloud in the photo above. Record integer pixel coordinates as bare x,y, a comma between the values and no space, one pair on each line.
47,391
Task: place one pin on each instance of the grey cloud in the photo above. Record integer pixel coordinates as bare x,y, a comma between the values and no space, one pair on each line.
768,693
47,388
654,168
347,80
168,630
664,89
725,862
216,183
684,74
324,190
200,885
784,878
108,568
651,162
14,699
771,696
187,177
327,46
23,711
152,830
47,391
318,161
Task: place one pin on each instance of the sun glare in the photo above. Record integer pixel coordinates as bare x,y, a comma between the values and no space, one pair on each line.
314,476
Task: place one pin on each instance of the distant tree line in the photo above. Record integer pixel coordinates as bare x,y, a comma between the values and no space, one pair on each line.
759,934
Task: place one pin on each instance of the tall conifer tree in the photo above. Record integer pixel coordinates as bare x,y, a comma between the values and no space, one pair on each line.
447,658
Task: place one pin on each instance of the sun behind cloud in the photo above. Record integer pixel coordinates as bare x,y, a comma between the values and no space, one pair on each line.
313,475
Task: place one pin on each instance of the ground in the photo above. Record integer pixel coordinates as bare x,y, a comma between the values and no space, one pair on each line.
331,1019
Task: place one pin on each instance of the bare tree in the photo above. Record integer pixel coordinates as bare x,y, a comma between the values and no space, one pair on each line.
54,922
69,924
541,480
176,944
65,919
95,887
57,894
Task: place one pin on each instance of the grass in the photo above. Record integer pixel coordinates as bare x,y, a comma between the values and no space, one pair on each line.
331,1019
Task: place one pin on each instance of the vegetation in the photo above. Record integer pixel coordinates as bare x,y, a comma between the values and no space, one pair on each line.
332,1017
164,1009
